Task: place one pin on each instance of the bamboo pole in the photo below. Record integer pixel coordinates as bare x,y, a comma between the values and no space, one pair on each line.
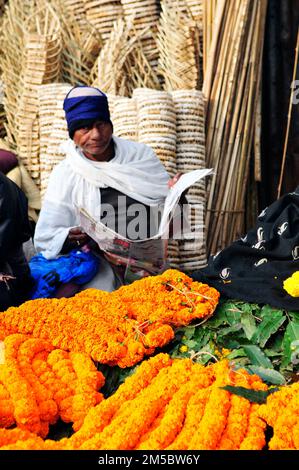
233,98
289,119
209,53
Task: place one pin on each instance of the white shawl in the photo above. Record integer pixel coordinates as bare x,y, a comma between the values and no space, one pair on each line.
135,171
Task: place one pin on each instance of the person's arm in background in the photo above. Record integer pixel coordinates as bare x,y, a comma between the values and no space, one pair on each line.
58,215
15,229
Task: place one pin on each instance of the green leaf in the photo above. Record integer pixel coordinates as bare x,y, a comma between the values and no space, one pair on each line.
233,314
205,358
235,340
294,316
270,325
266,310
295,352
257,357
254,396
190,343
219,318
189,332
236,353
291,334
229,330
202,337
272,353
268,375
275,343
248,323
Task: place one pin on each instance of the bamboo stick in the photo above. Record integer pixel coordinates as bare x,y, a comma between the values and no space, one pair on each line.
232,105
289,120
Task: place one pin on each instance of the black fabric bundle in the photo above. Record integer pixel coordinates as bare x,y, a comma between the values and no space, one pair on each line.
253,268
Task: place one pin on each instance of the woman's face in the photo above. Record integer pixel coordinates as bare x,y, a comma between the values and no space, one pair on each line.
95,140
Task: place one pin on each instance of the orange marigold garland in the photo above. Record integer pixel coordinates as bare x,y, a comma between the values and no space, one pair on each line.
135,416
172,409
101,416
117,328
167,403
171,422
240,418
212,425
282,413
194,413
6,408
39,383
26,411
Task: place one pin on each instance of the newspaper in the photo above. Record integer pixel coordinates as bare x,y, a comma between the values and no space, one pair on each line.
144,257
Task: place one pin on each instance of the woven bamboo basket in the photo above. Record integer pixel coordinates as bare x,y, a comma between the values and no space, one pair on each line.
122,65
81,42
13,28
178,49
111,101
173,257
102,14
57,136
77,8
52,127
190,154
124,118
157,124
41,64
145,14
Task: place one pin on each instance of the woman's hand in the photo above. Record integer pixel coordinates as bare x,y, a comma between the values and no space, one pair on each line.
174,180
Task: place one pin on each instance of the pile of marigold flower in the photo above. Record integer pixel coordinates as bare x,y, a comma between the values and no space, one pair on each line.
117,328
39,384
282,413
171,404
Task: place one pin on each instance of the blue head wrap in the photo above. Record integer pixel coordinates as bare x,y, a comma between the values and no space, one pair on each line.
84,105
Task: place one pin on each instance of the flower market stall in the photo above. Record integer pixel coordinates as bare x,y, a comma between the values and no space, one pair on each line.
205,355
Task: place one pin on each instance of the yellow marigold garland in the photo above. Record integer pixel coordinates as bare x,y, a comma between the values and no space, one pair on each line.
117,328
194,413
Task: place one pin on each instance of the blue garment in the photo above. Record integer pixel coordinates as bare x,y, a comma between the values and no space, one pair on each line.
85,106
77,267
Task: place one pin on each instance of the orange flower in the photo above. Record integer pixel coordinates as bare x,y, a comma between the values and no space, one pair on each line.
107,326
